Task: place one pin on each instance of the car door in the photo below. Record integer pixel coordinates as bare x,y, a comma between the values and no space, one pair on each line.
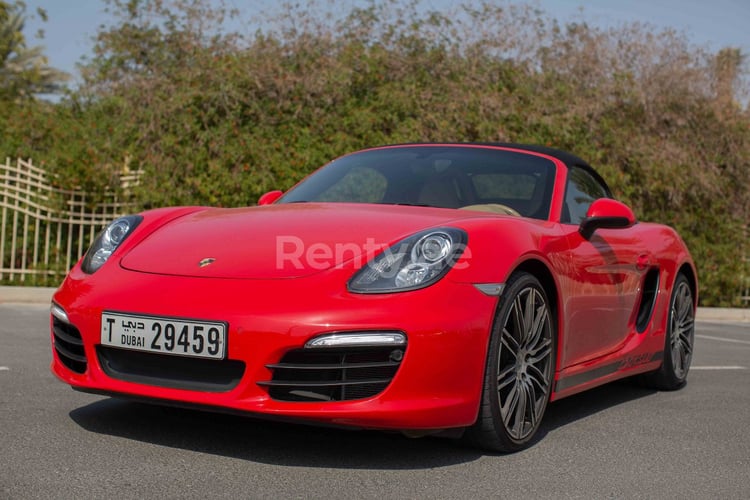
602,275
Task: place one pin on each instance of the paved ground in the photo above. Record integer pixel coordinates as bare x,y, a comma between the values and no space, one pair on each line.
618,441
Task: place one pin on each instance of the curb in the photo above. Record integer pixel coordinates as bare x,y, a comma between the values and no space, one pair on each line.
733,315
26,294
43,295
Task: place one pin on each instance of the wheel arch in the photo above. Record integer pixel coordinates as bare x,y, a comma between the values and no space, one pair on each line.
689,273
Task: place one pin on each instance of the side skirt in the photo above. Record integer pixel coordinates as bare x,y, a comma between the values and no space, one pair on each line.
631,365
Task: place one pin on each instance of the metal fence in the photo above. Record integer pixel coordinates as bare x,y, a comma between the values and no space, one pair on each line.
44,230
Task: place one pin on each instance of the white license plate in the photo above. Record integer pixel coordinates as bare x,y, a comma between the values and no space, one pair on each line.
176,336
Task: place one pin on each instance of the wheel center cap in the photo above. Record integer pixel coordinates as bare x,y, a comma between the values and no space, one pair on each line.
522,363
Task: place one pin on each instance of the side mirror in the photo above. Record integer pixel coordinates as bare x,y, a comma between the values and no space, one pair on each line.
270,197
606,213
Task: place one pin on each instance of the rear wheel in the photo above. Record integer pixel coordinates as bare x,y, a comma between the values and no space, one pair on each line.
519,369
678,344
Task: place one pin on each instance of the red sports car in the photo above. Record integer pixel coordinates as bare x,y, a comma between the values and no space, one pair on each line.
426,288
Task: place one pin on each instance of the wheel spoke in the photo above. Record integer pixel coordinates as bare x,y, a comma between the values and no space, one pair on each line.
540,351
507,376
686,303
676,360
540,321
683,357
510,342
676,338
508,409
537,376
686,324
532,402
518,320
520,413
540,358
678,357
528,317
686,343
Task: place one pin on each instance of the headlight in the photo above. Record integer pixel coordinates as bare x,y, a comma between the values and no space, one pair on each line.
108,241
415,262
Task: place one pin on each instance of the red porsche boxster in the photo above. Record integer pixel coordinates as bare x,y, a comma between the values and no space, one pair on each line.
426,288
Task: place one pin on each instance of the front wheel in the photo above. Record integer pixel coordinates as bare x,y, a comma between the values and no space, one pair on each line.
519,370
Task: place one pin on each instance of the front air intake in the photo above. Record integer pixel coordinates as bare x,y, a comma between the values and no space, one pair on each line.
337,374
68,345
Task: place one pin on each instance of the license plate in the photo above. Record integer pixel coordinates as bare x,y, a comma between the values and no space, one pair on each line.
176,336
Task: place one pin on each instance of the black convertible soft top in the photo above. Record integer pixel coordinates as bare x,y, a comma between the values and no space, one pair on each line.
568,159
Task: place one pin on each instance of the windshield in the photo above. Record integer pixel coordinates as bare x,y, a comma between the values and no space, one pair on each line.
436,176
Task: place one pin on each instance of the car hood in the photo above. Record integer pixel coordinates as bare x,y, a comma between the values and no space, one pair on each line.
278,241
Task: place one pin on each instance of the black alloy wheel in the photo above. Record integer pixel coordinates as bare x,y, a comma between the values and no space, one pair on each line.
520,368
679,340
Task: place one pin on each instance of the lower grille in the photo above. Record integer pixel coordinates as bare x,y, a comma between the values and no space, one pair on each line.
176,372
69,345
340,374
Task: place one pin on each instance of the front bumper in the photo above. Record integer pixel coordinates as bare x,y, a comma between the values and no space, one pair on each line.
437,385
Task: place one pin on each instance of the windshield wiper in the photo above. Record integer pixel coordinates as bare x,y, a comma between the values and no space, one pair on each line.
410,204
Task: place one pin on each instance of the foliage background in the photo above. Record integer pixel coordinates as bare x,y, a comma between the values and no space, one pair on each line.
218,117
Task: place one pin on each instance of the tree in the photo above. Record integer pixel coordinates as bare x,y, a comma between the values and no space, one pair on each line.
727,71
24,70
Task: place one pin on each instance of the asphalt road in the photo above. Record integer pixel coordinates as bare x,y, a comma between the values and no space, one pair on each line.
618,441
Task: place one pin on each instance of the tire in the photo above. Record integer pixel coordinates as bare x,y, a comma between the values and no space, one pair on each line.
679,340
519,370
